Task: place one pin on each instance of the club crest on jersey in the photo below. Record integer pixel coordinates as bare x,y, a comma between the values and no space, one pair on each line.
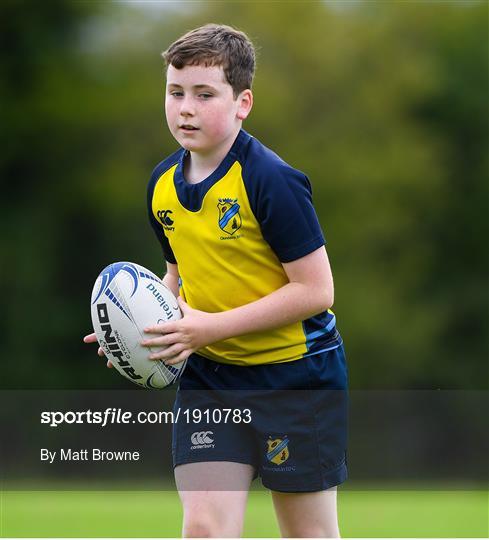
278,450
229,218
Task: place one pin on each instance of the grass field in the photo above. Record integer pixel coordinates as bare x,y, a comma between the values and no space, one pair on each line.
158,514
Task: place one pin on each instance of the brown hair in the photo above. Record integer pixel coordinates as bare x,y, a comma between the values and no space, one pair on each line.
216,45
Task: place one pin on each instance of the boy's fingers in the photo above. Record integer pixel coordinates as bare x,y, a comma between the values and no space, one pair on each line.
180,358
90,338
168,352
168,339
165,328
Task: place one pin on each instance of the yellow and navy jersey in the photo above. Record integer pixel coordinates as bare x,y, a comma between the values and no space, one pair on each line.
229,235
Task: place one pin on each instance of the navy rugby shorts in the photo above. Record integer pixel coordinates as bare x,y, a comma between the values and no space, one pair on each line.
287,420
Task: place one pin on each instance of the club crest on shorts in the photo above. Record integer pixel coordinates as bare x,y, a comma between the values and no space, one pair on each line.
229,218
278,451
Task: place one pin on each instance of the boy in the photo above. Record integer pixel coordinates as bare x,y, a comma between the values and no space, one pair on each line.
245,256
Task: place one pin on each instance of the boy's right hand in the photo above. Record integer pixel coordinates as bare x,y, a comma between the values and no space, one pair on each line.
92,338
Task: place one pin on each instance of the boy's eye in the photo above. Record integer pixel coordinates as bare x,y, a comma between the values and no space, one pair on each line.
205,95
175,93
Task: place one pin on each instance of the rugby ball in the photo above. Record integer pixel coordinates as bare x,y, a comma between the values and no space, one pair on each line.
127,298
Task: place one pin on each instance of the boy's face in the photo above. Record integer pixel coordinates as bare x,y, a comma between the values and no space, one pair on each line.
201,111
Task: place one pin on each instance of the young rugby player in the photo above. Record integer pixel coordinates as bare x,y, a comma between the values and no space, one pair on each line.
245,255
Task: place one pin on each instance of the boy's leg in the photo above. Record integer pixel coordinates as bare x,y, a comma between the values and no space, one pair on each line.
213,495
307,515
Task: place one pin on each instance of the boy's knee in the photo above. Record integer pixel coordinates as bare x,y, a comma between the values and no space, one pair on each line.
199,524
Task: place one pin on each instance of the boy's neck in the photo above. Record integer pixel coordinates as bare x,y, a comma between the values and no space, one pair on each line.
198,167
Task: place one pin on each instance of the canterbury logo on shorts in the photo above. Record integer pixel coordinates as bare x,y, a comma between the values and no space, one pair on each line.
201,439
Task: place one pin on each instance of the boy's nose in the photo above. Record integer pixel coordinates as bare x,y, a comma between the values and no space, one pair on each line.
187,108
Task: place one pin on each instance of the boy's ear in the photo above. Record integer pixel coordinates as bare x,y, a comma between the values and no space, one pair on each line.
245,103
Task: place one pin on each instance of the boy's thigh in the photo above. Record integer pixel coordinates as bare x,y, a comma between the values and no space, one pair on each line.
214,476
307,514
212,505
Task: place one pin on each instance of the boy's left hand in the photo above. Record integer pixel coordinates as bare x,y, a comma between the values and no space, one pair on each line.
181,338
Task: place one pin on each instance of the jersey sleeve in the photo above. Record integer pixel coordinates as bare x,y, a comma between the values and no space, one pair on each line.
155,224
281,199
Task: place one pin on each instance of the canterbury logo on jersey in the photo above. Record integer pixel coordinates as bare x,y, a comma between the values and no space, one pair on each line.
165,219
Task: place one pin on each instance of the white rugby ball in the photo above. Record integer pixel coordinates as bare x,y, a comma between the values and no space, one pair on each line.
127,298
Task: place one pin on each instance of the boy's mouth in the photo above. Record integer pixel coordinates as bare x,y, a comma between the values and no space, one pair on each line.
188,127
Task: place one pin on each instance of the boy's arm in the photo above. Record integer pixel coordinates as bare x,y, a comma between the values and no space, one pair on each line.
171,278
309,291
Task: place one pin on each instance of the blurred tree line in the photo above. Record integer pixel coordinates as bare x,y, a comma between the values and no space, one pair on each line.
383,105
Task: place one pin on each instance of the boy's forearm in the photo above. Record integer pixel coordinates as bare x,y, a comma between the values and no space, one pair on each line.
291,303
171,281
